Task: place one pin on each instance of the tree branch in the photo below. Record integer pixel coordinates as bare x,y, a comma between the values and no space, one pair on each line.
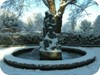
81,8
46,3
94,3
64,3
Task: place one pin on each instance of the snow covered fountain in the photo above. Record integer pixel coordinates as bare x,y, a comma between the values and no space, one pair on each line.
49,55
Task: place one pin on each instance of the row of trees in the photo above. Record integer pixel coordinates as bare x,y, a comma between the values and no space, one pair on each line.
34,22
85,27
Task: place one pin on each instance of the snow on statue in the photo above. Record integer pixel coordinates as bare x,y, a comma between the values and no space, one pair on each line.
50,39
49,45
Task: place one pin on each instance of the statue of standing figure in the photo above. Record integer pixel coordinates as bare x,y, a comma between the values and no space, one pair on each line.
45,30
48,21
50,40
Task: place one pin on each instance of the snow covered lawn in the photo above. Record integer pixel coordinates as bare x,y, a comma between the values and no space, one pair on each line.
90,69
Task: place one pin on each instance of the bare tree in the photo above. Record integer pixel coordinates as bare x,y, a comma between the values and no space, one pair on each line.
14,5
86,27
58,14
9,22
34,22
77,12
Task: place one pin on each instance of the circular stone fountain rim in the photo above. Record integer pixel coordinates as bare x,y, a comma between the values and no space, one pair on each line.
84,60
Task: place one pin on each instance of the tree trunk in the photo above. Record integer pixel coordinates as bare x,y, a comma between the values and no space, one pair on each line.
52,8
59,13
58,18
58,24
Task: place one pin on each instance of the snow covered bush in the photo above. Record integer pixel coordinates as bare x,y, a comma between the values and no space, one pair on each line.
96,26
85,27
19,39
34,38
9,21
79,40
5,39
34,22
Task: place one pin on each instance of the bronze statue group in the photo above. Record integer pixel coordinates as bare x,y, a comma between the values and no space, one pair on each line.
50,39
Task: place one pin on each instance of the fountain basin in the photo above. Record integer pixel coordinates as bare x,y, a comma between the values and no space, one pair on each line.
86,58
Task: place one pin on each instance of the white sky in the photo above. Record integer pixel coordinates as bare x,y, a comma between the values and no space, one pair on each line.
94,11
1,1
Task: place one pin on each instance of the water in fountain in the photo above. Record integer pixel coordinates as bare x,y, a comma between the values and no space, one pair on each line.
34,55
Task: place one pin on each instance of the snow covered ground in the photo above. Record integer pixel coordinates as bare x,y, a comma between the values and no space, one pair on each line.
91,69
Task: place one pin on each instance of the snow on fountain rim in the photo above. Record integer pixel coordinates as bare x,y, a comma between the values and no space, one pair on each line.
89,55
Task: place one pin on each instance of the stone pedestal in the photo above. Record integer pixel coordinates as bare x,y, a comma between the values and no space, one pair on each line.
50,55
